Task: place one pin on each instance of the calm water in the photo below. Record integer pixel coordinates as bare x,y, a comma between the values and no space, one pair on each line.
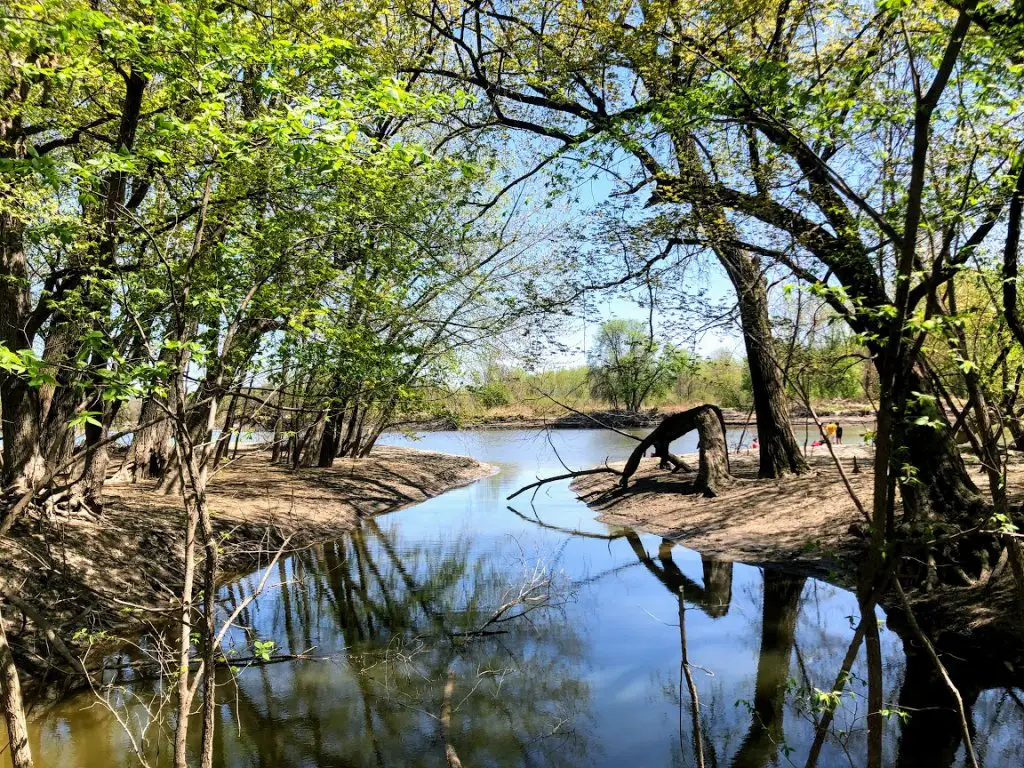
585,671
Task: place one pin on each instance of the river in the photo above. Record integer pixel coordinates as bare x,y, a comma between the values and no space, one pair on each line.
581,668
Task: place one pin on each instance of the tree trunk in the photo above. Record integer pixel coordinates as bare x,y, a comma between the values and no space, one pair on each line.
717,585
347,447
20,405
151,451
96,460
941,485
275,450
713,469
23,464
779,450
331,437
224,438
10,700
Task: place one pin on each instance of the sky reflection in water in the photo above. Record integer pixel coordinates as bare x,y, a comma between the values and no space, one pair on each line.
593,680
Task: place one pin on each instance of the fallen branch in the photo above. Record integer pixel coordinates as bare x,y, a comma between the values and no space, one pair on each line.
566,476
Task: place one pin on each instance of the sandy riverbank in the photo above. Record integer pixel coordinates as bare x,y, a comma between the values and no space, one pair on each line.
803,519
121,568
803,522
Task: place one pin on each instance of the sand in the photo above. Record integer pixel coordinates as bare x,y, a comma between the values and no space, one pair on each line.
798,519
125,567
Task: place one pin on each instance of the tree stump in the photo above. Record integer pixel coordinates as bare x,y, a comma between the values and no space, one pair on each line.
713,470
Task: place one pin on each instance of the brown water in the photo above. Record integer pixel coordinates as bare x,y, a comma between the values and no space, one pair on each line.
589,676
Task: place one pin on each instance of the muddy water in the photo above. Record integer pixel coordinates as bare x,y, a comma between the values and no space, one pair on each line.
582,668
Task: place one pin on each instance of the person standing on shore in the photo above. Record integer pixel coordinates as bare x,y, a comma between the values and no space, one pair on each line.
839,434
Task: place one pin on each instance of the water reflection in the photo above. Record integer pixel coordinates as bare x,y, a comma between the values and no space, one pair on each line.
587,675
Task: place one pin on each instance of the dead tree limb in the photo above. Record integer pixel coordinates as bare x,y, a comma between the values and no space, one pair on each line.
566,476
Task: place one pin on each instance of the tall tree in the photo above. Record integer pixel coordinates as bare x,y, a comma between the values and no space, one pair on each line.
588,79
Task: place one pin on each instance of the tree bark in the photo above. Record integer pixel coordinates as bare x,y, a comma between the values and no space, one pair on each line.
713,469
779,452
20,405
10,700
331,437
778,447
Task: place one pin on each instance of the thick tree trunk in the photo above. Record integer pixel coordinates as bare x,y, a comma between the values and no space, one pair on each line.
10,701
95,462
20,405
58,401
779,450
931,736
151,445
713,469
330,438
717,585
940,484
23,464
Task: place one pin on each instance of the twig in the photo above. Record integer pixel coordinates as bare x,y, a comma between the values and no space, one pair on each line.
580,473
684,670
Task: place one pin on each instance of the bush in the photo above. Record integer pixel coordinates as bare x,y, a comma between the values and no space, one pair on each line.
492,394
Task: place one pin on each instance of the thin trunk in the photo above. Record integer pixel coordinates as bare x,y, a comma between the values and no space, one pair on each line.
876,701
224,438
243,420
185,630
10,700
275,450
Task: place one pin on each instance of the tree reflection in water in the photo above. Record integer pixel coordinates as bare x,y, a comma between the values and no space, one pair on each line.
921,732
391,619
406,617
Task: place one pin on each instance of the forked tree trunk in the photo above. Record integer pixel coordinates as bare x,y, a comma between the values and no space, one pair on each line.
713,469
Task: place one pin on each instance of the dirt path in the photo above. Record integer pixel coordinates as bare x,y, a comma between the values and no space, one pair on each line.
126,566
